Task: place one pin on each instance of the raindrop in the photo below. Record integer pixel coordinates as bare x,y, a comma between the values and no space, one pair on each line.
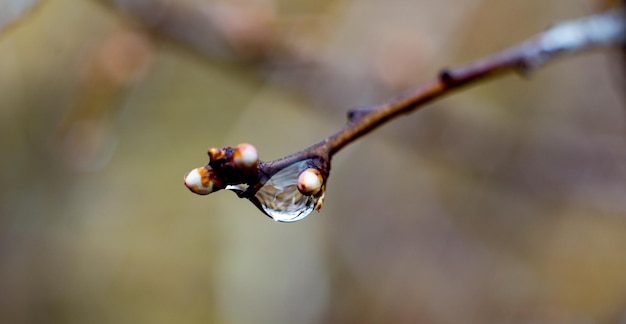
280,199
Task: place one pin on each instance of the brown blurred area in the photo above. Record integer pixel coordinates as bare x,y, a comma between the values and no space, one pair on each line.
504,203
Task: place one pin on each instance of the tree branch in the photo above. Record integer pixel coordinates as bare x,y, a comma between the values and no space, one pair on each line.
598,31
608,29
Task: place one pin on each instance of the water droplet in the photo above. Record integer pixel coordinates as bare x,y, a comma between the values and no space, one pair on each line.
280,199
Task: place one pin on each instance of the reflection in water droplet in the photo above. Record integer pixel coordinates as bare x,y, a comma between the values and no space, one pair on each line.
237,188
280,199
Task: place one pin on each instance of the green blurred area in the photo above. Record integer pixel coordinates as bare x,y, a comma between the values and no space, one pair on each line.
505,203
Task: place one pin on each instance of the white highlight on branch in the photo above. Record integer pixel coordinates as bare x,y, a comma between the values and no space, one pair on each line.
602,30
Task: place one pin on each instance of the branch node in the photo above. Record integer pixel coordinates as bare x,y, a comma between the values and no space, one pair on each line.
445,76
358,113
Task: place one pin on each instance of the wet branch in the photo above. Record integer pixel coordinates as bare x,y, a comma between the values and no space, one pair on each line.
246,176
597,31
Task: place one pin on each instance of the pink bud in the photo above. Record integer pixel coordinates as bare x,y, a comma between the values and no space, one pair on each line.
310,181
201,181
245,156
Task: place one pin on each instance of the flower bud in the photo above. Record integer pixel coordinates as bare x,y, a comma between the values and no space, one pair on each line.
215,154
245,156
310,181
202,181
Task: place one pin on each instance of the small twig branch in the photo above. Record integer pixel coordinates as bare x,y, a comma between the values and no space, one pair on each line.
598,31
602,30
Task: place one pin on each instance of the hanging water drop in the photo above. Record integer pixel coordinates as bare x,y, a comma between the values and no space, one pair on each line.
280,198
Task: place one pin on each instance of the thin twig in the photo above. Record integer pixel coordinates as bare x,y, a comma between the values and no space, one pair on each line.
602,30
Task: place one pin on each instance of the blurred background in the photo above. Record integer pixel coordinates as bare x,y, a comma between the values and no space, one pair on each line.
504,203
